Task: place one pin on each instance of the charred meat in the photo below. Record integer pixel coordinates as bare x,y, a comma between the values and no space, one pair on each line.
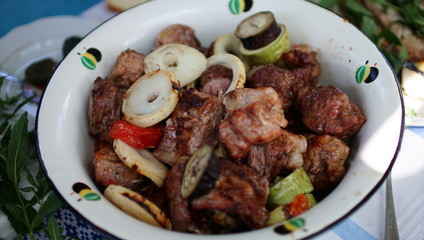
192,124
109,169
177,33
183,217
215,79
127,69
303,64
104,107
254,116
328,110
282,153
239,190
324,161
281,80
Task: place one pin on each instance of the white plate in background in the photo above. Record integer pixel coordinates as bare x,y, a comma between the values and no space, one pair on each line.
40,39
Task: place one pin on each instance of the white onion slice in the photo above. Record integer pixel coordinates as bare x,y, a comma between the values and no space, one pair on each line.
185,62
137,206
235,64
151,98
142,161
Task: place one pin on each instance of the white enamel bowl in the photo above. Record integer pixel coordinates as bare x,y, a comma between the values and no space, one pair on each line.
66,150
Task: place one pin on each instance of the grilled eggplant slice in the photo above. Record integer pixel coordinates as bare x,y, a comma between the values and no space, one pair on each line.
137,206
201,172
258,30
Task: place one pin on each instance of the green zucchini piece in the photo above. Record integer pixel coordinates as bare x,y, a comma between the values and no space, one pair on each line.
280,214
269,53
286,189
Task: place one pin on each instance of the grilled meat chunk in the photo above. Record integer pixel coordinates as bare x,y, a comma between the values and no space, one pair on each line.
177,33
282,153
328,110
254,116
324,161
192,124
183,217
239,190
215,79
281,80
109,169
104,107
303,64
128,68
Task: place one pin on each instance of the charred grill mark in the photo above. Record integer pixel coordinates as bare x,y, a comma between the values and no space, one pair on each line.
176,87
144,206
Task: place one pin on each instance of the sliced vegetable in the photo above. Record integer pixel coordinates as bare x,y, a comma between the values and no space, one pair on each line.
235,64
201,172
135,136
142,161
300,204
185,62
137,206
151,98
258,30
269,53
286,189
229,43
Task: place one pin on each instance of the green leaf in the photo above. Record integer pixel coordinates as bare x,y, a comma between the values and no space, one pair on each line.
369,28
52,203
328,4
28,189
390,36
7,194
16,217
358,8
30,177
17,151
19,237
53,231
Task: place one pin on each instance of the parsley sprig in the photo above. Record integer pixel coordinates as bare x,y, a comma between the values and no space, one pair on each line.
26,203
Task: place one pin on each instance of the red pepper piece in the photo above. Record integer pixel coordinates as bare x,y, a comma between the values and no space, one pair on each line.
299,205
135,136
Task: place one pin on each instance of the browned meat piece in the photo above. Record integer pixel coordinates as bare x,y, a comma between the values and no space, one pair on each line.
239,190
128,68
191,125
254,116
282,153
243,97
303,64
215,79
328,110
104,107
183,217
109,169
272,76
324,161
177,33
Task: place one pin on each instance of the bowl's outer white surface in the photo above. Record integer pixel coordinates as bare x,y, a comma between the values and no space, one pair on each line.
65,147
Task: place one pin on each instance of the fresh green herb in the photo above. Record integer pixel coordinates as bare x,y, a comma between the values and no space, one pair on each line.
357,13
26,203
